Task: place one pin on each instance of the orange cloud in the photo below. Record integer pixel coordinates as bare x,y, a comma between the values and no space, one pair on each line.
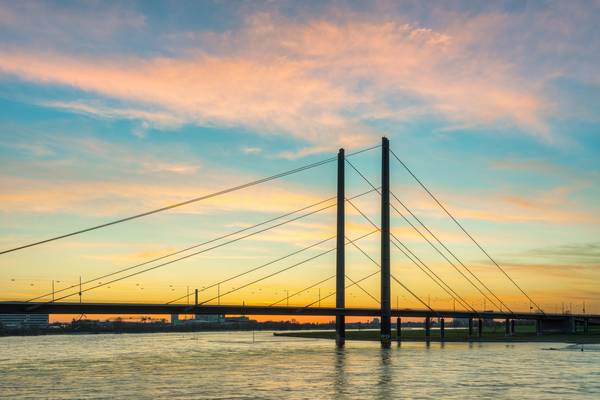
302,80
556,205
91,197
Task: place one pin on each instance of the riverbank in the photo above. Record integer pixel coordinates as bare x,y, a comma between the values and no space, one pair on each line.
109,327
457,335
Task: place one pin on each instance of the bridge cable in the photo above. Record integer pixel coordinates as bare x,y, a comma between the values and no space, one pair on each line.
347,287
362,279
266,264
183,203
303,290
407,289
363,289
367,277
188,255
207,242
257,268
447,288
465,231
333,276
395,240
452,254
392,276
427,240
354,283
430,273
280,271
260,267
188,248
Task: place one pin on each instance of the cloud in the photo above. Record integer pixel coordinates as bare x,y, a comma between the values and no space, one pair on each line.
71,182
176,168
322,80
160,119
39,25
552,205
582,253
251,150
269,97
109,198
524,165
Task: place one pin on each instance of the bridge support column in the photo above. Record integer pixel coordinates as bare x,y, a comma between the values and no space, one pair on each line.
386,312
427,329
340,262
470,328
398,329
479,327
538,327
512,327
442,330
507,327
572,325
586,326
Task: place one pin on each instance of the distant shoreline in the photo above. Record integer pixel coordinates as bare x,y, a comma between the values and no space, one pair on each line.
455,336
99,328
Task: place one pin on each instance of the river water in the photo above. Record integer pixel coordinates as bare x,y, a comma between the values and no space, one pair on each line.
230,365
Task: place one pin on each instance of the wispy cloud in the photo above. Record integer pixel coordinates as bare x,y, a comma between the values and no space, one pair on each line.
160,119
39,25
582,253
554,204
322,80
251,150
530,165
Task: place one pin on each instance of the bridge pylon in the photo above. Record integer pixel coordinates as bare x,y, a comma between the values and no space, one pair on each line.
340,261
386,312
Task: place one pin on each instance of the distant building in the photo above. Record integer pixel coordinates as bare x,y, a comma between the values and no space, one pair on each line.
23,320
209,318
241,318
198,318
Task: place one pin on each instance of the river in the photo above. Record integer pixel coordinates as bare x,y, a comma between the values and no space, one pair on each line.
234,365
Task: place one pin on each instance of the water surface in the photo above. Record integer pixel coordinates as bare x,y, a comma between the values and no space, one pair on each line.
229,365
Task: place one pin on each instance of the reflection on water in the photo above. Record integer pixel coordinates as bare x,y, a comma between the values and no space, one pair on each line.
231,365
385,374
340,373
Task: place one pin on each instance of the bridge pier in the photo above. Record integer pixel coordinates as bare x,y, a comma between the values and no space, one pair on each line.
386,312
506,327
340,262
479,327
586,326
442,329
512,327
398,330
538,327
427,329
470,328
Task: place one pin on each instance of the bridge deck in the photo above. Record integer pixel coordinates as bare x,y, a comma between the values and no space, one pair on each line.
136,308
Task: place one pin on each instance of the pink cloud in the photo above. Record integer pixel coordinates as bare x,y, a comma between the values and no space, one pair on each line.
279,76
554,205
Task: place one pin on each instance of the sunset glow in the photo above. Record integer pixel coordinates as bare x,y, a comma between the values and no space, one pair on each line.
112,109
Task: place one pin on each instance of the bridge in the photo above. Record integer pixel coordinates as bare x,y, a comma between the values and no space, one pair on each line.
55,302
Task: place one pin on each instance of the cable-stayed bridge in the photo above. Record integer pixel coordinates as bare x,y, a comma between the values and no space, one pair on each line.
61,301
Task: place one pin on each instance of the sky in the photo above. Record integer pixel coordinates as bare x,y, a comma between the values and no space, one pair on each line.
108,109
